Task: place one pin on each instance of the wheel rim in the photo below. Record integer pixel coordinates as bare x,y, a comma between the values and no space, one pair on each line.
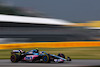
45,58
12,58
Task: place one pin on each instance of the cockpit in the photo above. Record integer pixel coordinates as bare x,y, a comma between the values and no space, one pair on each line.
32,52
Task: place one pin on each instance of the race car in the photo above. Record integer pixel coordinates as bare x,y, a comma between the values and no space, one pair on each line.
37,56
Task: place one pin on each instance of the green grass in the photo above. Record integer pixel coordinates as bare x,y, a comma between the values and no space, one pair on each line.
74,53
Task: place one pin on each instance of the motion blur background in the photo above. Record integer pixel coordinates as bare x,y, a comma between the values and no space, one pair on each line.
85,14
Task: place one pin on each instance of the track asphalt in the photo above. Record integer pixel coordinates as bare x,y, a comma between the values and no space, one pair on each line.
73,63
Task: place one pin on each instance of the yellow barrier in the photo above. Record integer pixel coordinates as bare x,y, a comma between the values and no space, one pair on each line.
50,45
89,24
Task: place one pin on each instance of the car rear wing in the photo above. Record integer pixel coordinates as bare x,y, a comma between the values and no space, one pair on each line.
16,51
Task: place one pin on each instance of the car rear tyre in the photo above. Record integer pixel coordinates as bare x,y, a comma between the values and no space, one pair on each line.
15,58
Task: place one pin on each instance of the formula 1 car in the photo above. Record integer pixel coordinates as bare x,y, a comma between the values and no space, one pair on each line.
36,56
